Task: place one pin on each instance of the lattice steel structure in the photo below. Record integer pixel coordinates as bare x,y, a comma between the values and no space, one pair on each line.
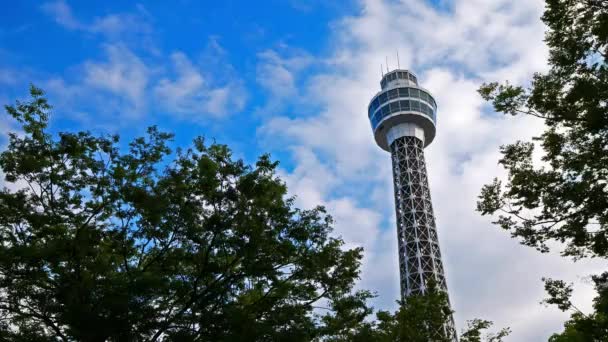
403,118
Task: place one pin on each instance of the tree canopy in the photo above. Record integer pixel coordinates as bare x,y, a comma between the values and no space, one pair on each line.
103,243
98,244
564,199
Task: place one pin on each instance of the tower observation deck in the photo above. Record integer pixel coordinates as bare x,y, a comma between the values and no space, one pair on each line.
403,119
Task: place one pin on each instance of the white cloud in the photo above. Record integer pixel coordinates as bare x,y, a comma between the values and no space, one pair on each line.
124,75
114,25
189,92
62,14
127,85
277,73
453,50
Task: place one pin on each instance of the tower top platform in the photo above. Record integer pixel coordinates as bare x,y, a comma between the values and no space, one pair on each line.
402,108
398,76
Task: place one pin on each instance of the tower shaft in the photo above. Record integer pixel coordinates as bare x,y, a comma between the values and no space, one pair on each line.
419,254
403,117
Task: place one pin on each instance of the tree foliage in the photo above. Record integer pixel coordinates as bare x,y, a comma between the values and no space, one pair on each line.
564,200
581,327
420,318
100,244
143,244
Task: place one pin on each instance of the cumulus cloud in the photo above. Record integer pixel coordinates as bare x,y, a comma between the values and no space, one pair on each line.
124,75
278,73
62,14
453,50
113,25
189,92
125,84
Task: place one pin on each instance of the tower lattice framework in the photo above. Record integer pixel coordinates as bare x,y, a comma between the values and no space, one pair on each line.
419,254
403,116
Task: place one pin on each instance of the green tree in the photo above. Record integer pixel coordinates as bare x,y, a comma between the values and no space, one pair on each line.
101,244
581,327
565,199
420,318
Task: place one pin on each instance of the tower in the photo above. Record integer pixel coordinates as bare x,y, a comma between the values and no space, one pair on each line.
403,118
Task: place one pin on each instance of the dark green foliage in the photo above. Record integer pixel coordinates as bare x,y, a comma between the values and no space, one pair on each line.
566,199
102,245
425,318
420,318
475,328
581,327
97,244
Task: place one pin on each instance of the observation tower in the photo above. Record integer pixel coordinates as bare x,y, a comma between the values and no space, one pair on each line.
403,119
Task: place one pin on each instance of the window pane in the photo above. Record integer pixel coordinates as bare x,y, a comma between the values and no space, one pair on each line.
424,96
403,92
394,107
414,93
405,105
383,98
392,94
372,108
415,105
385,111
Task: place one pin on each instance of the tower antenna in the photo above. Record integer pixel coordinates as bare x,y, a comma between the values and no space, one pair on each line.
398,64
387,69
381,70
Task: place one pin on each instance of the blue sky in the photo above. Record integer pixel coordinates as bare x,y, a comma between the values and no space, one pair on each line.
55,39
293,78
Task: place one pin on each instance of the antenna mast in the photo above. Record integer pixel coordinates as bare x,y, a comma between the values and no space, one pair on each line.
398,64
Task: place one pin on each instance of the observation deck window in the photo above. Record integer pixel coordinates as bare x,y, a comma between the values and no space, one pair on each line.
399,93
393,94
385,111
415,105
394,107
403,106
383,98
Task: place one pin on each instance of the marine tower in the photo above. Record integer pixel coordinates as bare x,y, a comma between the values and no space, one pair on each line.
403,119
